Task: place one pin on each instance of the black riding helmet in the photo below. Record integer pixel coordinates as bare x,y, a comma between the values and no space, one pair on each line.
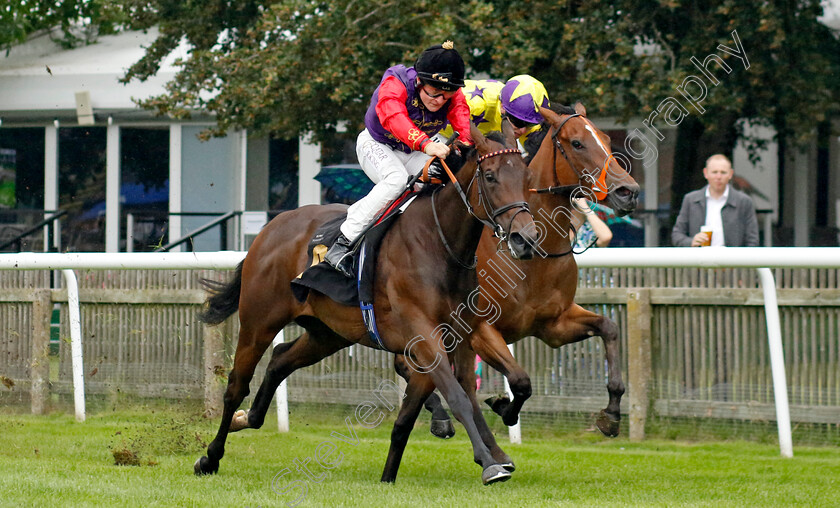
441,67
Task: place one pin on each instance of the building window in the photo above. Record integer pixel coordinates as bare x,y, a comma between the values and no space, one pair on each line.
144,188
282,174
21,186
81,188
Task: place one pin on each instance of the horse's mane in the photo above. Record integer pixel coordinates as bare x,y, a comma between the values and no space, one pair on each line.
456,160
498,137
561,109
532,144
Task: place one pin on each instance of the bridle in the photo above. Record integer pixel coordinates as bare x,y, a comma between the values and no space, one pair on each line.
557,188
490,210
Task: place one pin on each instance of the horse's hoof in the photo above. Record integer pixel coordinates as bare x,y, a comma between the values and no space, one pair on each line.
239,420
442,428
608,425
509,467
494,473
202,467
498,404
510,419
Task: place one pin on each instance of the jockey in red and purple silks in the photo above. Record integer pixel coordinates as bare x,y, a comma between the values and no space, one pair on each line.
410,105
398,118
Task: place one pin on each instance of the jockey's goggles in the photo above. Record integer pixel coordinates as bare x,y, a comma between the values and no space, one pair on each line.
519,124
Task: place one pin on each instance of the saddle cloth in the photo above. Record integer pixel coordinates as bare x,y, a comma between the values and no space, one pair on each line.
322,277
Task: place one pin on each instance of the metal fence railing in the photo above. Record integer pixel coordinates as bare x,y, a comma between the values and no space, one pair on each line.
708,341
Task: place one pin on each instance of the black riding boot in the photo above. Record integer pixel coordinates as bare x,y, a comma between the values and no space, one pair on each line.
339,256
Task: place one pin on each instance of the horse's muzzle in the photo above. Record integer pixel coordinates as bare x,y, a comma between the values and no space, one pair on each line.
624,199
521,244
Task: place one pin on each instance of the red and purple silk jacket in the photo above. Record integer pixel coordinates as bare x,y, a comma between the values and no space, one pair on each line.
397,117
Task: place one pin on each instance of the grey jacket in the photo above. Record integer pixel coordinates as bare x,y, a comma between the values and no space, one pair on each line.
740,226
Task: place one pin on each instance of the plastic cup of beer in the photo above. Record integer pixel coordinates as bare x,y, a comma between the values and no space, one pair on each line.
708,231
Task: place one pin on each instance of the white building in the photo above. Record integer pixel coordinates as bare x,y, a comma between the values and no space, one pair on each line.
72,138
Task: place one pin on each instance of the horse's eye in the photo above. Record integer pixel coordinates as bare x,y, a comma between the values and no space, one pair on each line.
577,145
489,177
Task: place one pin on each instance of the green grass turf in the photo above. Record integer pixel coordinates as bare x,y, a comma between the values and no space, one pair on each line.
54,461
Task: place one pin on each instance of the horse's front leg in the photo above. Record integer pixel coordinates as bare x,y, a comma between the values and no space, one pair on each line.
441,425
417,390
491,347
428,355
465,373
577,324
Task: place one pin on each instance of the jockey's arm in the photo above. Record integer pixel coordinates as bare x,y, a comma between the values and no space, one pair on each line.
459,116
394,117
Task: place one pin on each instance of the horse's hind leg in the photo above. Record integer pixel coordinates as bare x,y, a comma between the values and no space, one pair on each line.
441,425
324,344
302,352
418,389
249,350
610,417
254,417
577,324
491,346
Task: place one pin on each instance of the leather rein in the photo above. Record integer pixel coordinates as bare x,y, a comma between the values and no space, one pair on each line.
562,189
558,146
484,201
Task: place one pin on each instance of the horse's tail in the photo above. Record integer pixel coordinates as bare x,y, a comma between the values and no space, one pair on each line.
223,300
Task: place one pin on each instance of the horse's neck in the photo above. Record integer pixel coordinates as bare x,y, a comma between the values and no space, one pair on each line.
547,158
461,230
554,209
555,213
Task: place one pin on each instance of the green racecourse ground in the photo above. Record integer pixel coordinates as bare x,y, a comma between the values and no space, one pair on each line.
54,461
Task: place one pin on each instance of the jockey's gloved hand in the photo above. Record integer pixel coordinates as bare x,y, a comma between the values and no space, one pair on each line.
436,171
455,159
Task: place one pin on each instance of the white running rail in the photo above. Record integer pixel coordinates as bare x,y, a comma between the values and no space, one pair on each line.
761,258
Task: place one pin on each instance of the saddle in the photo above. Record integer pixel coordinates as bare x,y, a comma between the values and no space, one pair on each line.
325,279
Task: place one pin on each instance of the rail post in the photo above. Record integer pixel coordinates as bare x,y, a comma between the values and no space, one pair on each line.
777,361
214,368
39,369
638,359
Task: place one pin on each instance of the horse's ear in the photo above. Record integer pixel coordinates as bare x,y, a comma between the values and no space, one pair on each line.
507,131
479,139
550,116
579,109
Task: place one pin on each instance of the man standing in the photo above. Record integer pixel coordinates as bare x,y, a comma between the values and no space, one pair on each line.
728,213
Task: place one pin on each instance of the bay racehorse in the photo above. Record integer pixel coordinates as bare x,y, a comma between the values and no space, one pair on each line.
535,298
425,267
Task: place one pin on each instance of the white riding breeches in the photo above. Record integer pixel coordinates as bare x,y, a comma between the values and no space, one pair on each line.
389,169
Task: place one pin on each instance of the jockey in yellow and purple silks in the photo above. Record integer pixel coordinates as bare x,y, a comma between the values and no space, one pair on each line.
519,99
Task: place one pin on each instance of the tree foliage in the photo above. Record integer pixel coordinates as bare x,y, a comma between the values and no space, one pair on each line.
291,66
73,21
